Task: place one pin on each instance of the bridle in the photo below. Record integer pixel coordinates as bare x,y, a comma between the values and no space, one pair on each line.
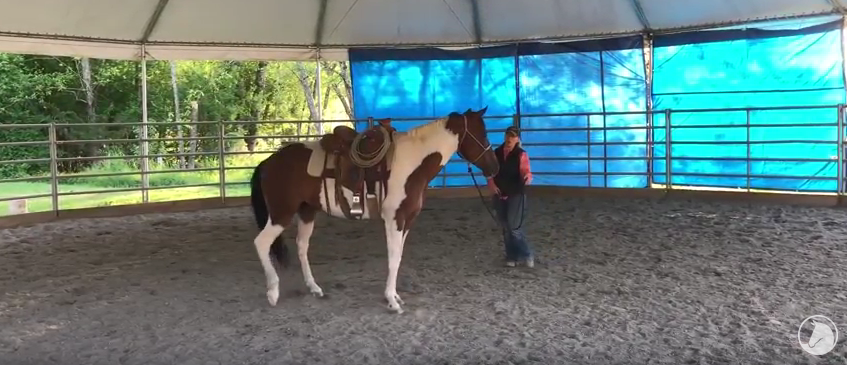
470,170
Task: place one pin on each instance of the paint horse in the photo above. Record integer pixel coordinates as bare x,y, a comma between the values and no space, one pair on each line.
304,178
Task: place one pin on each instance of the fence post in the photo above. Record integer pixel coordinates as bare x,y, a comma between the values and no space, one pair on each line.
840,153
222,160
145,144
588,140
668,150
749,152
54,169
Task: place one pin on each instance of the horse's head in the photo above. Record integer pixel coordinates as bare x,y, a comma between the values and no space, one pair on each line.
474,146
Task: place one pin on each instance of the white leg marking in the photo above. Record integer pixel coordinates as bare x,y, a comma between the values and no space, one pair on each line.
395,240
263,245
304,232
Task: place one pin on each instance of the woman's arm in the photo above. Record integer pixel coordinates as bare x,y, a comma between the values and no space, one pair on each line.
526,172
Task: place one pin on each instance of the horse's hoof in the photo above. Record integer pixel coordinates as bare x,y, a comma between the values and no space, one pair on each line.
273,296
398,299
395,304
317,291
396,309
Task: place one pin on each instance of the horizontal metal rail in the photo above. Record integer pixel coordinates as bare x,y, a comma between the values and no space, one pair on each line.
108,191
35,196
130,140
754,176
25,161
137,172
530,127
135,157
24,179
134,124
23,125
27,143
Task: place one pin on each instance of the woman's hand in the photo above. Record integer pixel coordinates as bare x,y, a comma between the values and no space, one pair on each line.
492,187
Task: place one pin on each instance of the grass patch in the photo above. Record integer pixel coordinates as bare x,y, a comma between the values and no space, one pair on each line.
101,185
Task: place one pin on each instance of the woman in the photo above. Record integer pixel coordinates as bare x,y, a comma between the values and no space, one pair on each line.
509,197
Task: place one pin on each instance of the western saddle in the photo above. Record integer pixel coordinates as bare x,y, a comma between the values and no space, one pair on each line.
360,160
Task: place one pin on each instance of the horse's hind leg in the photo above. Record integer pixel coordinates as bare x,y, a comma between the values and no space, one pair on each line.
305,227
263,246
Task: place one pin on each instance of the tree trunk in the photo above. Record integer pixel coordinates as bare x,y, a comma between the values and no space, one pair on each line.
347,100
91,149
348,109
308,90
256,102
310,93
344,95
192,145
180,143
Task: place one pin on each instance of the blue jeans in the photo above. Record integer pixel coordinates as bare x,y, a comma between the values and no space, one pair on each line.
510,213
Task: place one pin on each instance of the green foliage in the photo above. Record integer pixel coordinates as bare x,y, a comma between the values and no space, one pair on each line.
44,90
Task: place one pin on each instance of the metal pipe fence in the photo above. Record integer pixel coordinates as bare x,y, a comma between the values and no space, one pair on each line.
220,166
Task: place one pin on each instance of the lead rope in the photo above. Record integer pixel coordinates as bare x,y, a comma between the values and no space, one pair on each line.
482,198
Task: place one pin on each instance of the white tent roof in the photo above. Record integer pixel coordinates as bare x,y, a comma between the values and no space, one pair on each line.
294,29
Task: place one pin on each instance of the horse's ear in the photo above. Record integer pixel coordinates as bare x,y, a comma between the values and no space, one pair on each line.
482,112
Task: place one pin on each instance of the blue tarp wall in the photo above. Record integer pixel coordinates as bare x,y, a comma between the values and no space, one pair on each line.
432,83
748,69
602,88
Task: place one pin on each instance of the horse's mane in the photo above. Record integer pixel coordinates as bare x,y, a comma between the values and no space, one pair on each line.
425,129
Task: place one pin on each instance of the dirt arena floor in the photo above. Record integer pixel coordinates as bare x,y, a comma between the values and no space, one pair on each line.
617,282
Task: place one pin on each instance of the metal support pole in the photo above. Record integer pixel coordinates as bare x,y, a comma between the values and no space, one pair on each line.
222,160
605,151
668,150
145,145
588,140
603,106
841,111
749,152
517,121
648,75
54,169
840,152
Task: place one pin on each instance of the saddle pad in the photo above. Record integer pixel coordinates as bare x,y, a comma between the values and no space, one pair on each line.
316,167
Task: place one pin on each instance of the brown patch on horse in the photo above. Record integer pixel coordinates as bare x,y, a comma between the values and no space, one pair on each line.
415,187
456,123
287,185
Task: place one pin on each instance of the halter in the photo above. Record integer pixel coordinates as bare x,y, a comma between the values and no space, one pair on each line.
484,148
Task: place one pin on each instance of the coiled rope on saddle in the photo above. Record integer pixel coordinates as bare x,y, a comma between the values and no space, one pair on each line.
366,160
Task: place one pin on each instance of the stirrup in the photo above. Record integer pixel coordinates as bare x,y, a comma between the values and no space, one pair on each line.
356,209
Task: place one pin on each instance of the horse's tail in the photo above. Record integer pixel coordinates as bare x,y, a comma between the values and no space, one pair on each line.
279,251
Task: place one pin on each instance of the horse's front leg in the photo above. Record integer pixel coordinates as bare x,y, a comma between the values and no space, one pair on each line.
395,239
305,227
263,242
